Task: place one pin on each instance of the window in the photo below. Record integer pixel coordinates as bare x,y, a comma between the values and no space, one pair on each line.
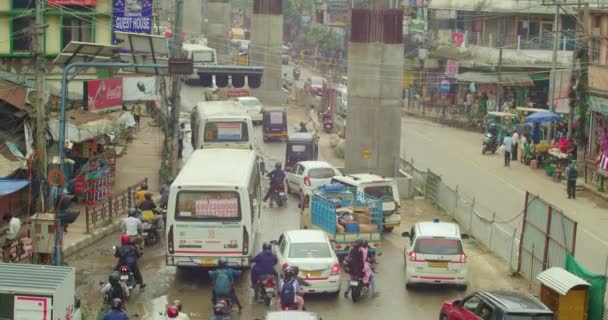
471,303
309,250
379,191
528,317
24,4
76,29
321,173
22,40
282,244
208,205
300,170
438,246
251,103
202,56
485,312
226,131
595,49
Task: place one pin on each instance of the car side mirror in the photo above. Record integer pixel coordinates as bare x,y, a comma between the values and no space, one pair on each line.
299,206
465,236
273,242
405,234
457,303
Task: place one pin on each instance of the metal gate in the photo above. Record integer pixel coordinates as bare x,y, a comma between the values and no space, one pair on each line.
547,236
432,186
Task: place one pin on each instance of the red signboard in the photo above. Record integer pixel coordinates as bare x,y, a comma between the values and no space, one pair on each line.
73,2
104,94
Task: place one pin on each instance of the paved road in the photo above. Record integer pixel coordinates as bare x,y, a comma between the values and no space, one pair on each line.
456,155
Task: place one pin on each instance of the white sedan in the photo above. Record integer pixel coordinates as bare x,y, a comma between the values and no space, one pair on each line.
308,175
254,108
311,252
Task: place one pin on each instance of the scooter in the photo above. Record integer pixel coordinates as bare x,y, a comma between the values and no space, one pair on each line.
280,197
328,123
150,232
490,143
358,288
265,289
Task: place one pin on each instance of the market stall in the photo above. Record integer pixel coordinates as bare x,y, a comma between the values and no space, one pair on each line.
554,158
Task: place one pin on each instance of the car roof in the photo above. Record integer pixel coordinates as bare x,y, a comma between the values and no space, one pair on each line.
365,177
315,164
300,136
291,315
248,98
306,236
515,302
437,229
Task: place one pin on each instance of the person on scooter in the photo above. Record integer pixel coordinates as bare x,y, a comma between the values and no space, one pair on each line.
131,226
368,269
148,203
220,312
127,255
149,209
223,279
140,194
277,176
303,127
172,311
264,263
115,288
117,313
180,315
289,290
358,265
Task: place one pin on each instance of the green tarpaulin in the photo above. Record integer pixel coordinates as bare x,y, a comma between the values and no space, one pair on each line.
596,291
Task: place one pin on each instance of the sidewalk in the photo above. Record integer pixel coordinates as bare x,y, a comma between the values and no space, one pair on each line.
141,159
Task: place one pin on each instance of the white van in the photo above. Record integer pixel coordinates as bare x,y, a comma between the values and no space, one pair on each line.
435,255
221,124
214,209
382,188
201,55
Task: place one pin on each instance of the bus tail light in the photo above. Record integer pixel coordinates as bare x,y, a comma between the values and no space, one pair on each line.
170,240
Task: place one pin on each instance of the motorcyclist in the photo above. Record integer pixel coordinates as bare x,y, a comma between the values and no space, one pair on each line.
115,288
264,263
223,279
117,313
277,176
303,127
180,315
132,227
220,311
289,290
285,81
127,255
140,194
493,129
357,265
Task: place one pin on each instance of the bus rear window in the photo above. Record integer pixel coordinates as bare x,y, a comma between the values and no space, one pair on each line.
208,205
226,131
202,56
438,246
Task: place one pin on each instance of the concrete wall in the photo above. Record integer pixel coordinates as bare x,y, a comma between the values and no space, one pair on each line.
193,16
53,35
218,28
5,37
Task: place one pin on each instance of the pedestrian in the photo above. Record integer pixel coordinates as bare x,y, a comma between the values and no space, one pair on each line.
136,111
515,146
522,144
507,144
571,175
14,225
180,140
468,102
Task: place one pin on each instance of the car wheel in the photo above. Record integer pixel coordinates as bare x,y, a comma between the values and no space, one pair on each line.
443,316
462,287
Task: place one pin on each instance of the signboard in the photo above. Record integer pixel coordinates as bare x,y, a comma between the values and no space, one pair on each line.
229,131
73,2
338,5
133,16
276,118
219,207
139,89
104,94
457,38
28,308
451,67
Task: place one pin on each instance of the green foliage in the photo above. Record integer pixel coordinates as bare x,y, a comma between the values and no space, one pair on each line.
327,40
245,5
293,10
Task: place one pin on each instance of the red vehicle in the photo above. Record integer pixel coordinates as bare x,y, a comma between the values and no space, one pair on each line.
315,85
495,305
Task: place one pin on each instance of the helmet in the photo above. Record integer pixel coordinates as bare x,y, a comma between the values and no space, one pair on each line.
221,263
144,186
302,124
116,304
148,195
114,278
266,246
278,165
125,239
132,212
284,266
178,304
172,311
288,272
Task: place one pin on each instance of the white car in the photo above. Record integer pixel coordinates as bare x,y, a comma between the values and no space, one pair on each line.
254,108
308,175
312,253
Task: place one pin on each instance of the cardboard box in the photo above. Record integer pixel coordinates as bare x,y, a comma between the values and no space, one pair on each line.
359,209
368,227
339,228
363,218
534,164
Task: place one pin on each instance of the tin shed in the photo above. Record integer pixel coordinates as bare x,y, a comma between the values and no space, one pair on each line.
564,293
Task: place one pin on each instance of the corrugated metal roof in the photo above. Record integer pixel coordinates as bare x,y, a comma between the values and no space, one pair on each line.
39,277
560,280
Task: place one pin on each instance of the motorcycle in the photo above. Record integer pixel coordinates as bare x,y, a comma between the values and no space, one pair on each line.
490,143
328,123
279,195
265,289
358,287
296,73
150,232
127,276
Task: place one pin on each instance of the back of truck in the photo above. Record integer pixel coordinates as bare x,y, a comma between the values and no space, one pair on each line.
366,210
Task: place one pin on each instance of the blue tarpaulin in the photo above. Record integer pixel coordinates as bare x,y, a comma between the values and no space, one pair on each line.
542,116
8,186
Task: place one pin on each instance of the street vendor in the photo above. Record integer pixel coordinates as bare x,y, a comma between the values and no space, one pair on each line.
537,133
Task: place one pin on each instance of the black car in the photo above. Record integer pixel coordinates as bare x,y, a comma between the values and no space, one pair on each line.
495,305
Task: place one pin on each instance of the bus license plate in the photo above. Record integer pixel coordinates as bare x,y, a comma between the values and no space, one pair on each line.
208,262
433,264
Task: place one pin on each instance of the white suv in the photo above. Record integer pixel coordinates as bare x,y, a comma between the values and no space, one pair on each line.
382,188
435,254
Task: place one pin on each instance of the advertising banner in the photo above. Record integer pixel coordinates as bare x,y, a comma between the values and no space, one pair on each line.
139,89
133,16
73,2
104,94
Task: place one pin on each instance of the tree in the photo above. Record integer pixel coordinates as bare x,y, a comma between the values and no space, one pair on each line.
293,10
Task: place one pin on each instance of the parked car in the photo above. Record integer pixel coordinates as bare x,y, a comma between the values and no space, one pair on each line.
312,253
434,254
291,315
495,305
315,85
308,175
254,108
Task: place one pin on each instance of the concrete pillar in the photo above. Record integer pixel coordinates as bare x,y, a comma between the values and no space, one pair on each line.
375,76
218,28
193,18
603,59
265,49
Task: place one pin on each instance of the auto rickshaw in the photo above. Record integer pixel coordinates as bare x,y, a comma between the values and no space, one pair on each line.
505,122
274,124
301,146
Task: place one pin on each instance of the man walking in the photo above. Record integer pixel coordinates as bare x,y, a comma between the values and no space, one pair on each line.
507,144
136,111
180,140
571,175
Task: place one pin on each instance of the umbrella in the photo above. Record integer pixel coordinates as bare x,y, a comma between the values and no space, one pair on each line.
542,116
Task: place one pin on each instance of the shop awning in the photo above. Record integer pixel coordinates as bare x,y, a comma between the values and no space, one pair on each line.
82,126
506,79
598,104
8,186
14,95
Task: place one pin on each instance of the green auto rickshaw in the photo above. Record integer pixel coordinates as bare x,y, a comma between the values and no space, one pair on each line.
301,146
274,124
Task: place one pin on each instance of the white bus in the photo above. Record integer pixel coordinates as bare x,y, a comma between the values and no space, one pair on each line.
214,209
221,124
201,55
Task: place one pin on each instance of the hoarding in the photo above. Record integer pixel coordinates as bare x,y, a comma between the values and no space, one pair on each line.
133,16
104,94
139,89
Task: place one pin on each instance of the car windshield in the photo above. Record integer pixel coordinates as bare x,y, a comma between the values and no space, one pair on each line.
438,246
379,191
316,81
529,317
321,173
250,103
309,250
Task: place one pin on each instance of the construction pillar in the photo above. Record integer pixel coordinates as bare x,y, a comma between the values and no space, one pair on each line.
193,20
218,29
375,76
41,154
265,49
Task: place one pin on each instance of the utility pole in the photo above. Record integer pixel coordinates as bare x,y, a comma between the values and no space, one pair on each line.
499,80
577,45
556,38
41,155
176,79
581,94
